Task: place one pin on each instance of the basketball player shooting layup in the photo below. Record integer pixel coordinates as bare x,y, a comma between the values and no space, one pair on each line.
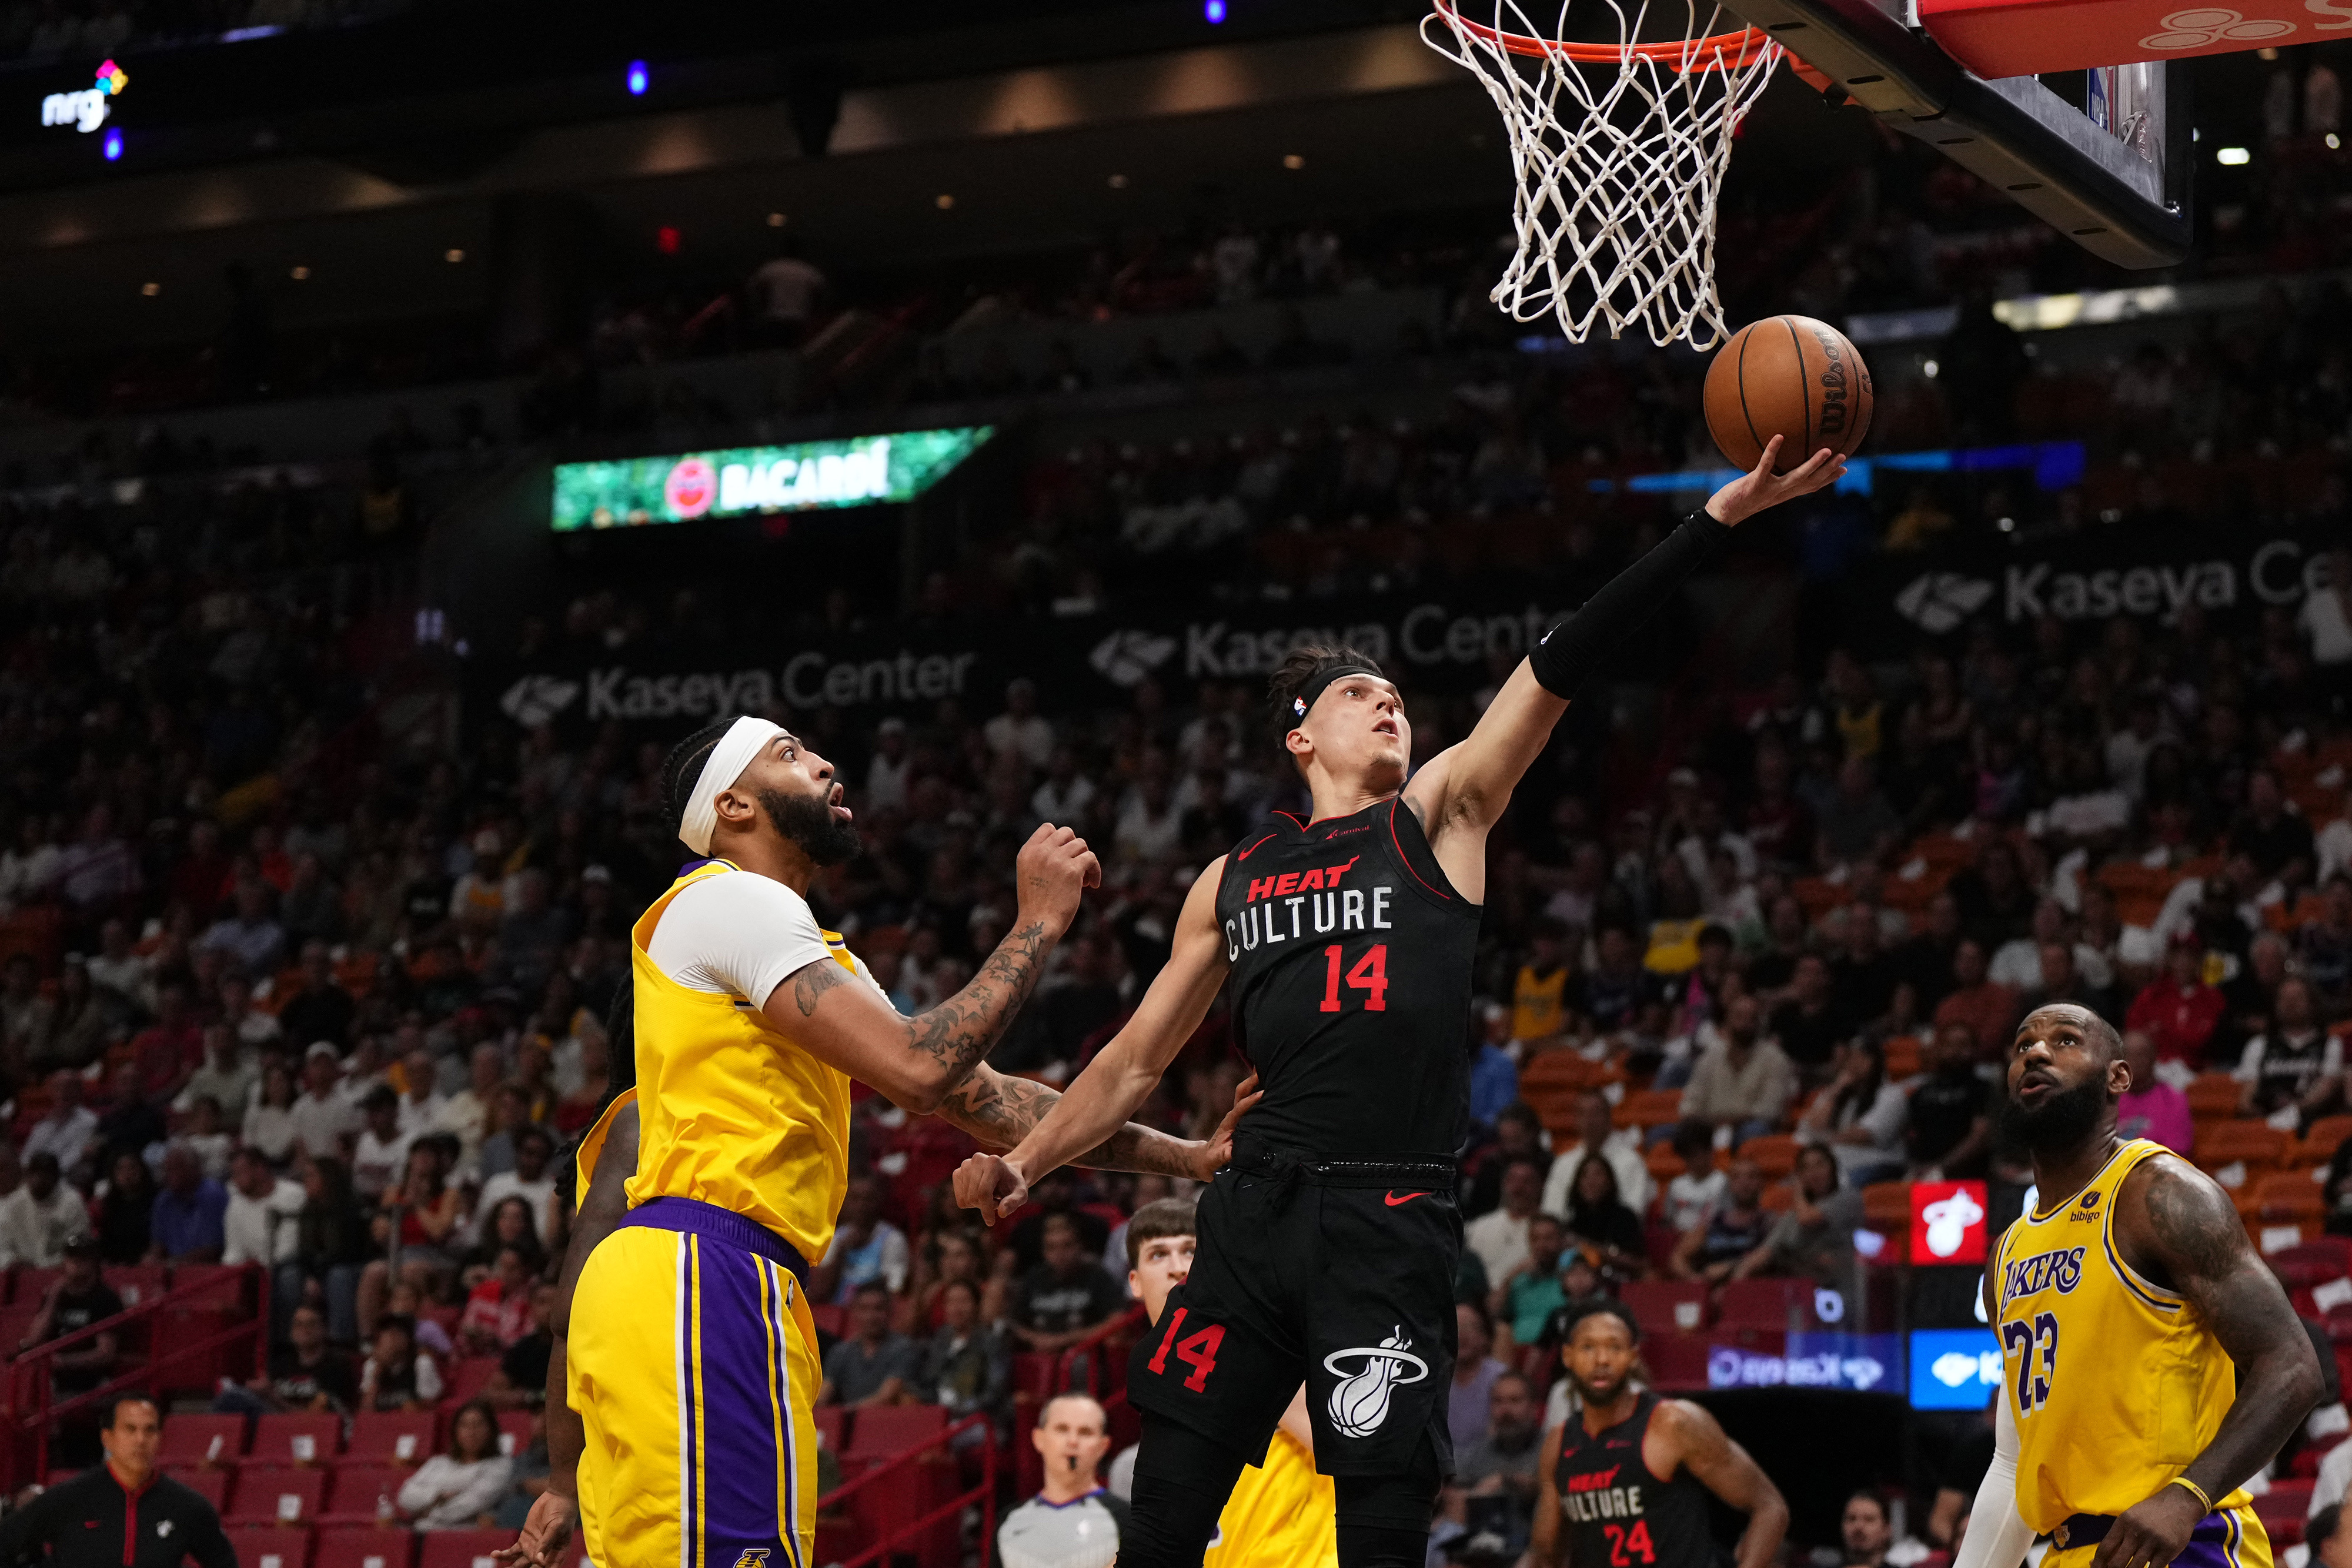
1626,1480
2153,1362
1328,1246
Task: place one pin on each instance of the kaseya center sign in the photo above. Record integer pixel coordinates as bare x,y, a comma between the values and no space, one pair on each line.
857,471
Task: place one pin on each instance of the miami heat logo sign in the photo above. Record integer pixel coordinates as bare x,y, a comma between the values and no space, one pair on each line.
1366,1375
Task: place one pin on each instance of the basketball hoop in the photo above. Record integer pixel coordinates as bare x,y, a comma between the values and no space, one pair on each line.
1618,169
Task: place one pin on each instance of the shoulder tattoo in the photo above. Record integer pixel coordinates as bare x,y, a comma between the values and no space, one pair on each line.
811,984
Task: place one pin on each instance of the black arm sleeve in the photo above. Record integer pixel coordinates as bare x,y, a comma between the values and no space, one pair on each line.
1570,650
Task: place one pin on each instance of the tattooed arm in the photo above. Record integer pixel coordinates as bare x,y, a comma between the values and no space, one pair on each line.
918,1061
2175,1227
1123,1074
1000,1110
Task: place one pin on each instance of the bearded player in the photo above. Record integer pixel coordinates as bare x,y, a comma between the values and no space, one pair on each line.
1280,1515
1627,1479
1327,1246
2153,1363
690,1357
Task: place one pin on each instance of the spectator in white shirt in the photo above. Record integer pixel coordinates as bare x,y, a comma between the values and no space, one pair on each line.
886,774
382,1153
1621,1147
38,1214
63,1134
457,1491
467,1112
1150,826
420,1108
1499,1237
532,1180
264,1207
119,969
1020,731
229,1073
788,287
322,1117
1066,793
1860,1116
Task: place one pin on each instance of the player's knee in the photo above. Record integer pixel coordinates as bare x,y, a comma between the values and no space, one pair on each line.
1181,1482
1384,1520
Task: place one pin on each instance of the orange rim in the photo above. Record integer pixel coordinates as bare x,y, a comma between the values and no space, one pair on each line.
1718,51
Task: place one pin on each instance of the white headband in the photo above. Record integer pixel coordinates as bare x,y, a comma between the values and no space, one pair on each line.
744,740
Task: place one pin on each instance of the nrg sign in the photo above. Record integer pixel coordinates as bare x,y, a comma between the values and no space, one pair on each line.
86,110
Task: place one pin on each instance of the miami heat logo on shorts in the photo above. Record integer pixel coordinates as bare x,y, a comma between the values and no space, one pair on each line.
1361,1403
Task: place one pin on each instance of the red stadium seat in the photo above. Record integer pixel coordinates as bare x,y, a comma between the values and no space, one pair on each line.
362,1494
271,1548
1676,1361
830,1419
515,1430
465,1379
1666,1306
346,1547
212,1485
296,1438
391,1437
277,1494
193,1440
462,1548
1762,1304
885,1430
138,1283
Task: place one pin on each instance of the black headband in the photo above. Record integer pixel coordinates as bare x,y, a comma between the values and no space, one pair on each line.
1303,701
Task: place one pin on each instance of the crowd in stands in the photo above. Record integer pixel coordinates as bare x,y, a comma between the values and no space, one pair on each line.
336,1009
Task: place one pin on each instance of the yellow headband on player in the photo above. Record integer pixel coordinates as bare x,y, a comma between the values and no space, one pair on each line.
744,740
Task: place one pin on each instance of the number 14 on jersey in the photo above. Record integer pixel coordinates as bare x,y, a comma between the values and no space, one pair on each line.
1369,975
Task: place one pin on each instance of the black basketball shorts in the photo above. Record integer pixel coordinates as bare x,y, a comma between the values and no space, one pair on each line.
1337,1273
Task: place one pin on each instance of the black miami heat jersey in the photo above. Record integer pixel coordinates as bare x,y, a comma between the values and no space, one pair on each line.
1351,970
1617,1512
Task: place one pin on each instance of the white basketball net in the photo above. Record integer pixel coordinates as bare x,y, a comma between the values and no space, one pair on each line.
1619,159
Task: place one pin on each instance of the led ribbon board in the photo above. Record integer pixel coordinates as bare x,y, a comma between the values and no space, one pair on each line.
740,481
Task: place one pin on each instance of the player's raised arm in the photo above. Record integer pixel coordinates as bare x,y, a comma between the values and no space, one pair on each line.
1468,785
916,1061
2173,1222
1123,1074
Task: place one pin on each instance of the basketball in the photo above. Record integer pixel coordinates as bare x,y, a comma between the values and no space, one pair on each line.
1792,377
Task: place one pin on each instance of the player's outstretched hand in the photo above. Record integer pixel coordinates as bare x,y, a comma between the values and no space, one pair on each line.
1752,492
1218,1152
2150,1534
1054,868
992,1184
546,1531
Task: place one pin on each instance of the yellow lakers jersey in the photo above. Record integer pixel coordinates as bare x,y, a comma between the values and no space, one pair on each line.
729,1111
591,1144
1281,1514
2115,1385
1537,1010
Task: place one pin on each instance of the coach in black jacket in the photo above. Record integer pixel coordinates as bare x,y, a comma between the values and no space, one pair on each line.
123,1514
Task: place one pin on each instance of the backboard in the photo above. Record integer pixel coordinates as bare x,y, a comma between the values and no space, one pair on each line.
2112,175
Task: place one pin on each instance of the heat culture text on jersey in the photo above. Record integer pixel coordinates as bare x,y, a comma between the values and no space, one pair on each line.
1597,1496
1351,959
